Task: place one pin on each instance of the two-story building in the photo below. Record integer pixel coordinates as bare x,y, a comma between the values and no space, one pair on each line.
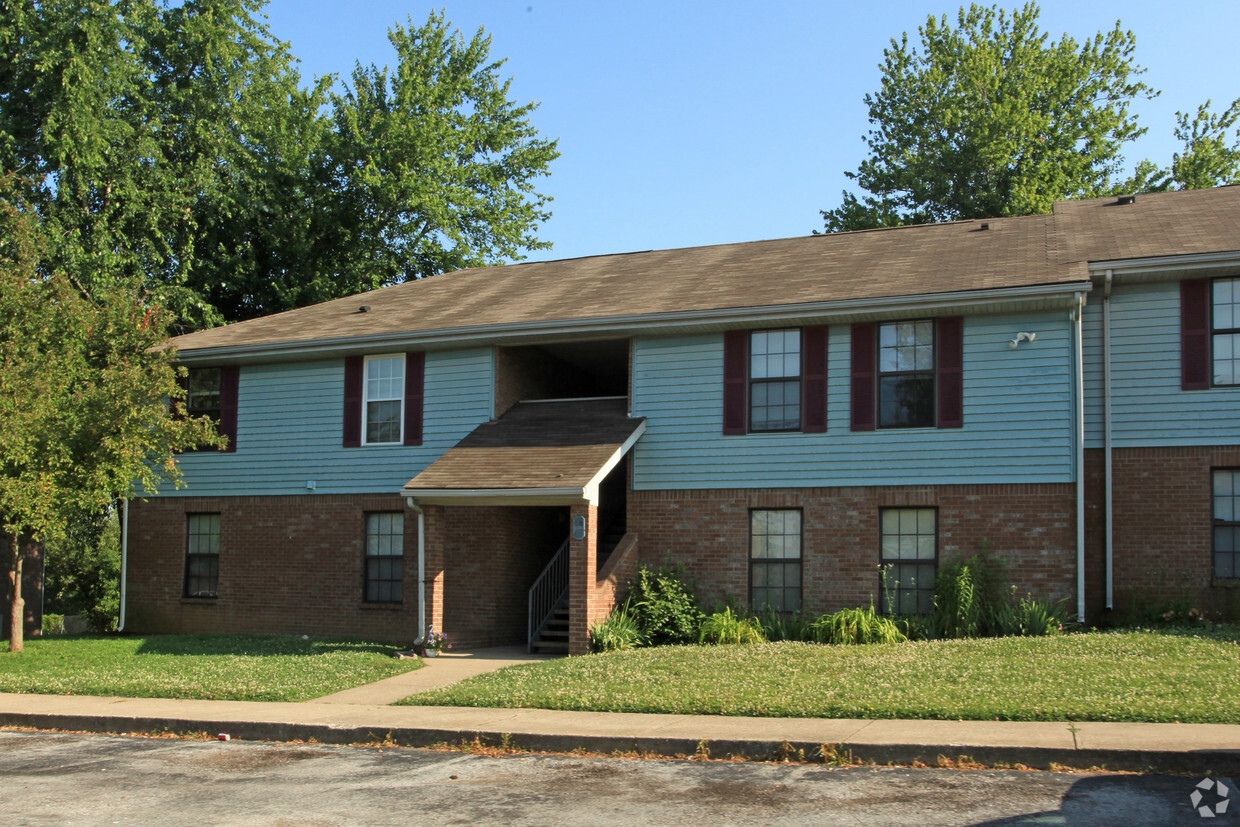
791,421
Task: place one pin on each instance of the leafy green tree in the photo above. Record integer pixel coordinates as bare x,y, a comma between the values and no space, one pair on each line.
1208,159
82,569
173,145
83,397
990,118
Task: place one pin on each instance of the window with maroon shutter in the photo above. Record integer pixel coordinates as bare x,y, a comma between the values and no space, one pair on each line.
775,380
1195,334
1225,331
353,401
950,377
212,393
415,379
230,377
814,413
861,386
735,376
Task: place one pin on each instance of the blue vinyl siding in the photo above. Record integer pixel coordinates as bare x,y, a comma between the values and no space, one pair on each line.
290,424
1017,413
1148,407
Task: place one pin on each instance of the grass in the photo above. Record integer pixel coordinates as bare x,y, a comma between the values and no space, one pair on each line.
1103,676
209,667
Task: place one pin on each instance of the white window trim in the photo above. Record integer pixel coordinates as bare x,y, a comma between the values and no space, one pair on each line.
400,439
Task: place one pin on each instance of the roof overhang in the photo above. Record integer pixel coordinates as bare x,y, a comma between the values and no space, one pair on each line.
586,494
994,300
1161,268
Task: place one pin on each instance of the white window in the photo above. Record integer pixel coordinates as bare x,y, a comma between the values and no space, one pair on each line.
383,400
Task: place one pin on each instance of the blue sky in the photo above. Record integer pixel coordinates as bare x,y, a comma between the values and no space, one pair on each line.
684,123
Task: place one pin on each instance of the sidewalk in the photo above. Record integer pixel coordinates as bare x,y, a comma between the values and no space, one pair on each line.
361,715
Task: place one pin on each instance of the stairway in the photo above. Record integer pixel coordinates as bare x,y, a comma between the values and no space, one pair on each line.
552,638
608,540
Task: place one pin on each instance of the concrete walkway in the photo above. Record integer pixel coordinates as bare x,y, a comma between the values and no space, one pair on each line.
363,715
446,669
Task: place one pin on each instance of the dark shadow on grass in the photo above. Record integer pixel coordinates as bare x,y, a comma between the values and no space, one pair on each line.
253,645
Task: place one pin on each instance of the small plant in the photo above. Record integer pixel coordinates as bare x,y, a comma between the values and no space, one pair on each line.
617,631
777,626
664,607
53,624
969,597
433,642
1036,618
727,627
856,626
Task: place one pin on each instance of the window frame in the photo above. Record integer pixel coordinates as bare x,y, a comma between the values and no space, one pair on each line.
191,556
799,561
214,413
885,562
1215,331
932,373
751,381
367,557
399,358
1216,523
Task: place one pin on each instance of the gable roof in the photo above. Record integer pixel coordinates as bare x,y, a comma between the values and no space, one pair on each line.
922,261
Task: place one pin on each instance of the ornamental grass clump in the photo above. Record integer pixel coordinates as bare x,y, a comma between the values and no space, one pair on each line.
851,626
969,598
728,627
778,626
617,631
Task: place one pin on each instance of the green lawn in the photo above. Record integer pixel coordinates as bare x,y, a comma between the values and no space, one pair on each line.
1116,676
214,667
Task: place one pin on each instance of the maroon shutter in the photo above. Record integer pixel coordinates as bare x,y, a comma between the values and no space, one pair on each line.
353,401
814,397
415,376
863,392
735,381
230,376
1195,334
949,372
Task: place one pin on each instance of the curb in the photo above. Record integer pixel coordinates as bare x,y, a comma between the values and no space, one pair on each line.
1195,762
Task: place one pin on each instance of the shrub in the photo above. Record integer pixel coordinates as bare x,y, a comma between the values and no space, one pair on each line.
618,631
778,626
856,626
53,624
664,608
1035,618
969,598
83,569
727,627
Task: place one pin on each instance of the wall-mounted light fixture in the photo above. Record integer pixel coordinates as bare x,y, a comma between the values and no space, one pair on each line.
309,485
1022,337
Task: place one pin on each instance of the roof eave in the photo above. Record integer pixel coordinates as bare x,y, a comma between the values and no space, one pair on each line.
848,310
1193,265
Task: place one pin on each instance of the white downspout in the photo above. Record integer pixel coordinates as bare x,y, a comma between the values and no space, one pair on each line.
421,567
120,625
1106,437
1078,370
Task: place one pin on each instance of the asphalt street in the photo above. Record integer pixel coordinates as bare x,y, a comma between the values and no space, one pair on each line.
55,778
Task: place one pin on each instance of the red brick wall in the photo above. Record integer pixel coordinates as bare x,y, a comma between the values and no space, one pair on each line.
492,554
288,565
1163,529
1032,527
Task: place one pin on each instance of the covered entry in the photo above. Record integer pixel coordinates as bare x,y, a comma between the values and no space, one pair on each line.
523,520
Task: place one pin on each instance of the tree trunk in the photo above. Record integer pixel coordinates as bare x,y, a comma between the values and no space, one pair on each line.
17,614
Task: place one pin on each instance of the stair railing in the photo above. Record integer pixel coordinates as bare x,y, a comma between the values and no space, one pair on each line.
548,589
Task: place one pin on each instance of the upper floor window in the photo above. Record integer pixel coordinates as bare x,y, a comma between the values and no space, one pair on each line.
1225,331
906,369
203,392
775,380
384,393
1226,523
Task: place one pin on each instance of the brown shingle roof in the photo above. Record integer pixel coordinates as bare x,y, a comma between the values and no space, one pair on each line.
902,261
549,444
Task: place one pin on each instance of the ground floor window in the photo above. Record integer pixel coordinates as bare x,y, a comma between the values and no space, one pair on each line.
385,549
1227,523
907,559
202,555
775,560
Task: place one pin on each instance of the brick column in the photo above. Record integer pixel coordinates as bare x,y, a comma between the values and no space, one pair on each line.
582,573
435,534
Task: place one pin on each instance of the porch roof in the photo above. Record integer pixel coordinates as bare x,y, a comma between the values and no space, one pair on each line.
547,452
